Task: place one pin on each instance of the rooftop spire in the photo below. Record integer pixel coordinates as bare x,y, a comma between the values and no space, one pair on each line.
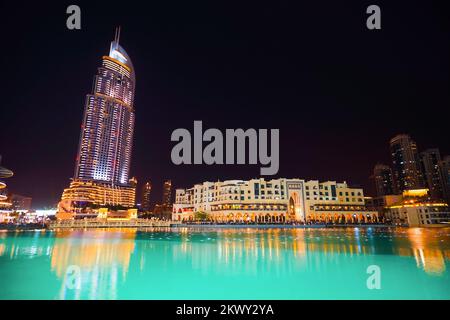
117,34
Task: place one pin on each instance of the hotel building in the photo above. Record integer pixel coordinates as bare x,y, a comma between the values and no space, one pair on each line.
277,200
145,197
406,163
102,166
417,209
429,160
167,193
384,180
444,170
20,203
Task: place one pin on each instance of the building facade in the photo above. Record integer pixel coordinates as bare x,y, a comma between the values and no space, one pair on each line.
103,160
384,180
107,130
145,196
167,193
444,171
405,163
20,203
417,209
85,192
429,160
277,200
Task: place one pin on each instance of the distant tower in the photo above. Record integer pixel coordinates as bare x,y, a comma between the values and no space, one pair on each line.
384,180
444,170
167,193
429,160
145,197
133,181
133,184
405,162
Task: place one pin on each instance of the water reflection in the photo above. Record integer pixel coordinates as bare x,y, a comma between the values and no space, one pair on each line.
426,249
429,247
107,257
103,257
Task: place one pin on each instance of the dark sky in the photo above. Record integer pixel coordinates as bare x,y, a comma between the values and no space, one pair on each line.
336,90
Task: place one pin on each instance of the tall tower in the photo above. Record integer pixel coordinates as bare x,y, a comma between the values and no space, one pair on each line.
145,198
444,170
167,193
384,180
108,123
429,160
405,162
103,160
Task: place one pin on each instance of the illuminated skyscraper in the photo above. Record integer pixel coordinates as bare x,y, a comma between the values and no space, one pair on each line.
444,168
384,181
103,160
406,163
429,160
108,123
145,198
167,193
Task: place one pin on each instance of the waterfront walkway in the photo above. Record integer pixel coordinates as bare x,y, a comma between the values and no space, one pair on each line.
94,223
150,223
281,226
21,226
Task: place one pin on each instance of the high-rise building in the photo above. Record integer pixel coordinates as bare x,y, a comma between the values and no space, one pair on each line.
108,123
133,182
103,161
429,160
444,170
406,163
167,193
384,180
145,197
20,203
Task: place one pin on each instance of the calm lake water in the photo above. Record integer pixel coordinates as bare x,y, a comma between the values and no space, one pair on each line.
225,264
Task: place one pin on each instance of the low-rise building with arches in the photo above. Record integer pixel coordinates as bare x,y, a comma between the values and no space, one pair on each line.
273,201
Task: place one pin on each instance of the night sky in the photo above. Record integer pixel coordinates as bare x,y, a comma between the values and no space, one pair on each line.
336,90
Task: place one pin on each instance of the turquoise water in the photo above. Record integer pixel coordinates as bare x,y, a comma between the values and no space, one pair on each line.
225,264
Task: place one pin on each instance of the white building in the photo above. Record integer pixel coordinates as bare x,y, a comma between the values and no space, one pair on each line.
276,200
420,215
417,210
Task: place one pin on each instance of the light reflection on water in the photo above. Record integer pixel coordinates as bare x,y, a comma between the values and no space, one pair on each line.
248,263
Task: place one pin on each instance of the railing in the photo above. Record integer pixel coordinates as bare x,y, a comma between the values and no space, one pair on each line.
97,223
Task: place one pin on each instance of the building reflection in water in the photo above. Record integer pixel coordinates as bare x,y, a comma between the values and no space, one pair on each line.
106,256
427,253
238,249
103,258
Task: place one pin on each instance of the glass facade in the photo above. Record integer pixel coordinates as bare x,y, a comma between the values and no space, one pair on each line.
107,130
